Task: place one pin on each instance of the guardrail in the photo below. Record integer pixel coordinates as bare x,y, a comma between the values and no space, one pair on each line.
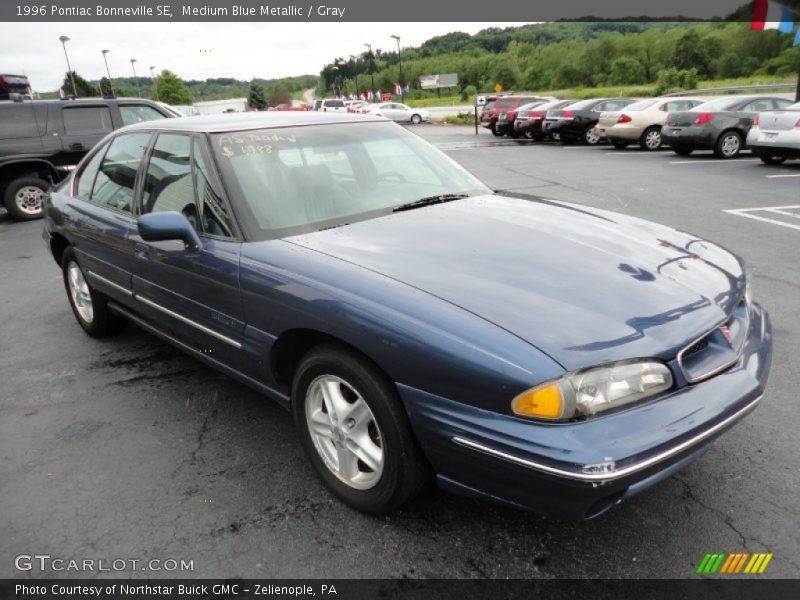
789,85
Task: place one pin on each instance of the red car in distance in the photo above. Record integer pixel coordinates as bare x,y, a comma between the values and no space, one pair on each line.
529,122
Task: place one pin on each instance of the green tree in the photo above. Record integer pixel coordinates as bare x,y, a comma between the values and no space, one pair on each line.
506,74
170,88
83,88
255,98
105,87
690,53
626,70
566,76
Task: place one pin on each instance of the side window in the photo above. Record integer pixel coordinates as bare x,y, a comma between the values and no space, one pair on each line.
17,120
87,119
168,184
214,216
758,105
779,103
132,113
113,186
87,176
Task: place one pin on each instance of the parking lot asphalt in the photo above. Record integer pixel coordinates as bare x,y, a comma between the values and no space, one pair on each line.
125,448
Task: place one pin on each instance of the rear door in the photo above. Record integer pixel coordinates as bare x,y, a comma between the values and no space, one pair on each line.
84,125
101,213
193,294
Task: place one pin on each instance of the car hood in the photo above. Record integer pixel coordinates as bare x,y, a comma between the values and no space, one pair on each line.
584,286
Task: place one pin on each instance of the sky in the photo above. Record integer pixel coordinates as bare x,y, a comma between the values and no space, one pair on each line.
200,50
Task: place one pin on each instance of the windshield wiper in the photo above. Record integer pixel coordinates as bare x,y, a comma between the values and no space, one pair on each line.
427,201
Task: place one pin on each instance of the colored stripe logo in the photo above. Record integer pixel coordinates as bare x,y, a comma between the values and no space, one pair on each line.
734,563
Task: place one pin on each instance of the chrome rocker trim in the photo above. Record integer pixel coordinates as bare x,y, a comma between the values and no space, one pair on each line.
189,322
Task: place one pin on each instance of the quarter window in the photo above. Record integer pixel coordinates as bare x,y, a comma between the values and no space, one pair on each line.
87,176
17,120
87,119
116,178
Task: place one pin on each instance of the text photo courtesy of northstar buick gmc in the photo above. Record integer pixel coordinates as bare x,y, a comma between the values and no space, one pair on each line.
419,326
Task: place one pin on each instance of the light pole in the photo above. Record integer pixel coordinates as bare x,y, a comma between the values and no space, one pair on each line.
355,70
64,39
133,66
153,77
371,66
108,71
400,60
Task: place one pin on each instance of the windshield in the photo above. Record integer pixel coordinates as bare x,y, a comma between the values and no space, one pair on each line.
295,180
717,104
641,104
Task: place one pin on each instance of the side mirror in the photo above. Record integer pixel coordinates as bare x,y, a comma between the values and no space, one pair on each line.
163,226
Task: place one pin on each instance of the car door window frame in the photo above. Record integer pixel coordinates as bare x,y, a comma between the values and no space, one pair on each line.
101,150
196,140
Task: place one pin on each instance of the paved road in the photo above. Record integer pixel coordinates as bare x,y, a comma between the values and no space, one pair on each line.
125,448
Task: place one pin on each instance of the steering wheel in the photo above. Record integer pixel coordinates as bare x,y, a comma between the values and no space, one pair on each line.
396,175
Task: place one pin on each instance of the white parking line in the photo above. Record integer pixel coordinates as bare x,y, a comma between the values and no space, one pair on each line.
635,153
787,175
782,210
731,161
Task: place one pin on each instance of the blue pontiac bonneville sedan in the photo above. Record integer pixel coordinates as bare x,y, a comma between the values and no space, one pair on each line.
417,324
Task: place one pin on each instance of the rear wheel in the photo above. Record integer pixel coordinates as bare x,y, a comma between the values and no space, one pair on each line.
355,431
89,306
528,134
495,131
651,139
774,159
24,198
619,144
416,119
590,136
728,145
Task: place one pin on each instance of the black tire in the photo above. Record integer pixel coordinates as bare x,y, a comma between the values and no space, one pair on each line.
528,134
514,134
619,144
103,323
728,145
416,119
16,204
495,132
682,151
405,473
651,139
773,159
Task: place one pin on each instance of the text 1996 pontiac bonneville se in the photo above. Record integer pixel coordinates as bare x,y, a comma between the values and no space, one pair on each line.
417,324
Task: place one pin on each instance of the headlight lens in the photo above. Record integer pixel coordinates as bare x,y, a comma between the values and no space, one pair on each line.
590,391
748,291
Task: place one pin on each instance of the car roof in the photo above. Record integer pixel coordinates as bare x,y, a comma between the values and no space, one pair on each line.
82,101
247,121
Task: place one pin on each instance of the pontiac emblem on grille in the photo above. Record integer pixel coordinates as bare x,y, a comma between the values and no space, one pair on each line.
726,332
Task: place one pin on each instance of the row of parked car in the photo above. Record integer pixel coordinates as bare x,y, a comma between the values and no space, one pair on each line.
768,125
396,111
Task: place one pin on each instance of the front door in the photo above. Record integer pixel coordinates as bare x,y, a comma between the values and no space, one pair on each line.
192,294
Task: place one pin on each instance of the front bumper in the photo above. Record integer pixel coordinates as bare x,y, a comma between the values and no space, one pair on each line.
583,468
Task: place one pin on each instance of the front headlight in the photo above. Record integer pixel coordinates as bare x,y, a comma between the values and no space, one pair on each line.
589,391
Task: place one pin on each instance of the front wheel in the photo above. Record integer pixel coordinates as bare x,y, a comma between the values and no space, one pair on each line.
355,431
728,145
651,139
89,306
775,159
416,119
24,198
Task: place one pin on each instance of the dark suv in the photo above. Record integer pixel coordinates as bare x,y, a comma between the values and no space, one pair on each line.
42,140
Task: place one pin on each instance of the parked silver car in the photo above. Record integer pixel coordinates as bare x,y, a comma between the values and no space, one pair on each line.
400,112
775,135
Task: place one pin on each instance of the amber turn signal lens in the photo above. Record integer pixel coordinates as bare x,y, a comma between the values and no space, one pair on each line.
544,402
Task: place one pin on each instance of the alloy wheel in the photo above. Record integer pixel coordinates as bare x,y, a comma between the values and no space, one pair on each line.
730,145
653,139
79,290
29,199
344,432
591,136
